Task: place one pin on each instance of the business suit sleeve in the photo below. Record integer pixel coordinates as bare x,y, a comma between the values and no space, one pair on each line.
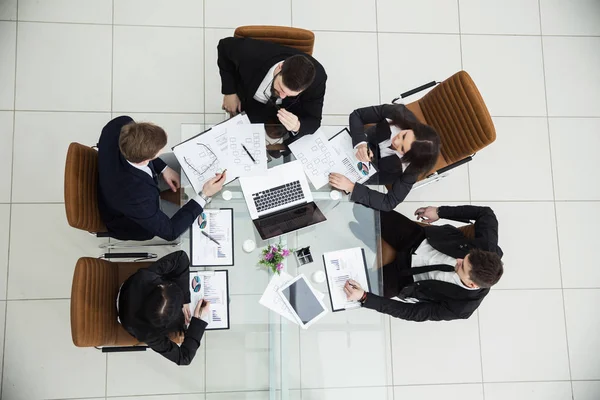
228,59
175,267
417,312
184,354
486,223
159,165
372,115
312,111
384,201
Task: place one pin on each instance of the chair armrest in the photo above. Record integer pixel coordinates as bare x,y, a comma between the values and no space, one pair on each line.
415,90
453,165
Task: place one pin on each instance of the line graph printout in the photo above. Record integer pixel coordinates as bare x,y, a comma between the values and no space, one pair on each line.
340,266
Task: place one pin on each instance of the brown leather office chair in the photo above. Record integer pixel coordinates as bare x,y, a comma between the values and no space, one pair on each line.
388,253
297,38
96,283
81,185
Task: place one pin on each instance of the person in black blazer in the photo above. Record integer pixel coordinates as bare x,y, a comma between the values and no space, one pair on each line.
400,147
128,190
155,302
271,83
438,273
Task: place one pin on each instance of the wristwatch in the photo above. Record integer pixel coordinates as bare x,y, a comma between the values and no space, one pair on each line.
206,198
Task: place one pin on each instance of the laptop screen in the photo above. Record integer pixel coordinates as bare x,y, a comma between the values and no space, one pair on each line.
288,220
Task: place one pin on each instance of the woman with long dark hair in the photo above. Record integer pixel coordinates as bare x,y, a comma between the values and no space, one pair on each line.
398,145
154,304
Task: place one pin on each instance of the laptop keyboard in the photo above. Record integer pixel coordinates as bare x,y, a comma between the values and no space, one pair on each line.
278,196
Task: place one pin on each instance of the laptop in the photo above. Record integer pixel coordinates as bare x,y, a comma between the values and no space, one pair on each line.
281,201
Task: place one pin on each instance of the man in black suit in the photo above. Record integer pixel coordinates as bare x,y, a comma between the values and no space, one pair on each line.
438,274
128,186
271,83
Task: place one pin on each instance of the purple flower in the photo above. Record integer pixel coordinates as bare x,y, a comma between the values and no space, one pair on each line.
279,267
285,252
274,249
269,256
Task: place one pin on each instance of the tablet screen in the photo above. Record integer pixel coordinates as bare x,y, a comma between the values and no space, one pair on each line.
303,301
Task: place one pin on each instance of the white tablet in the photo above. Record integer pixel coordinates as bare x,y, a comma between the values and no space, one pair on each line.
302,301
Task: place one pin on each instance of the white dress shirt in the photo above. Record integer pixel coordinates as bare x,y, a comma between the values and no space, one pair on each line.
384,146
262,88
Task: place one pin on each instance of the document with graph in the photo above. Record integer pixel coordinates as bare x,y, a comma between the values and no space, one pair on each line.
212,286
352,168
212,238
340,266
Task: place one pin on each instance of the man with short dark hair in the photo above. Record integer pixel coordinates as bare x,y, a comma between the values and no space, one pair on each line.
438,273
128,185
272,84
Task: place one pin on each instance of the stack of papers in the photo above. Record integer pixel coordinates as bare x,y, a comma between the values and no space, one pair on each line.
222,147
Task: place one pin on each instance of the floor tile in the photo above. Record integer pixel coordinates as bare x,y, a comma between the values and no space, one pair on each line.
8,43
8,10
49,368
358,15
530,262
4,242
586,390
213,99
195,396
333,50
500,17
172,83
441,60
582,325
159,12
449,392
412,16
253,395
77,67
2,325
577,17
60,245
35,133
239,357
154,374
6,152
421,356
574,163
331,349
509,88
379,393
572,71
171,123
577,243
94,11
231,14
499,176
528,391
523,336
452,187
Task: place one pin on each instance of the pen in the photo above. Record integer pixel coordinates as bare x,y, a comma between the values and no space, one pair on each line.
249,155
352,286
210,237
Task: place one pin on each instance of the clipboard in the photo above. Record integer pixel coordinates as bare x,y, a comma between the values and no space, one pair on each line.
328,275
223,308
197,236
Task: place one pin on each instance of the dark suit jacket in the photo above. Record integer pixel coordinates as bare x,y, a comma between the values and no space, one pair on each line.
129,199
389,168
244,63
174,267
443,300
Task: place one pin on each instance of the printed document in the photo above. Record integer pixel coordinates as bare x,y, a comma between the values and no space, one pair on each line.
219,226
211,286
340,266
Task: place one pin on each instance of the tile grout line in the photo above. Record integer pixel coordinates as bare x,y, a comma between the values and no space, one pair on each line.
204,126
377,49
562,291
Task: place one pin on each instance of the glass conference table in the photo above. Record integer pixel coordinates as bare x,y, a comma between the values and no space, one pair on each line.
263,351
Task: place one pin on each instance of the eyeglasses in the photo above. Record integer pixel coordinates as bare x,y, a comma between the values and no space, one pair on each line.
271,95
202,224
204,152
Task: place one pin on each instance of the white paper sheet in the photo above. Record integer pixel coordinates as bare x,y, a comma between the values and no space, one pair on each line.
252,136
212,287
317,156
350,166
219,225
340,266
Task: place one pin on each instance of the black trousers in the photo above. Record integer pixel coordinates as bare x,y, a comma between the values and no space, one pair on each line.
404,236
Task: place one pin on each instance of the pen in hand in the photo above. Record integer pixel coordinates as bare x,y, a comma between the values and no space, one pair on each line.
249,155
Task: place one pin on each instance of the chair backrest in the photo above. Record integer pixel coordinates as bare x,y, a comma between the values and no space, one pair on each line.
301,39
81,186
94,291
456,110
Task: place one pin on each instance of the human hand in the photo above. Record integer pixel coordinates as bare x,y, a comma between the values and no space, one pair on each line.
172,178
232,104
339,181
289,120
363,153
202,309
353,290
187,313
214,185
427,214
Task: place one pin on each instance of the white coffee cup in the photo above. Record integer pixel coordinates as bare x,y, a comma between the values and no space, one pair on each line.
318,277
335,195
249,245
226,195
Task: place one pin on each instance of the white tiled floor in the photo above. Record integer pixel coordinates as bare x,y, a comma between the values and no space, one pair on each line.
67,67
